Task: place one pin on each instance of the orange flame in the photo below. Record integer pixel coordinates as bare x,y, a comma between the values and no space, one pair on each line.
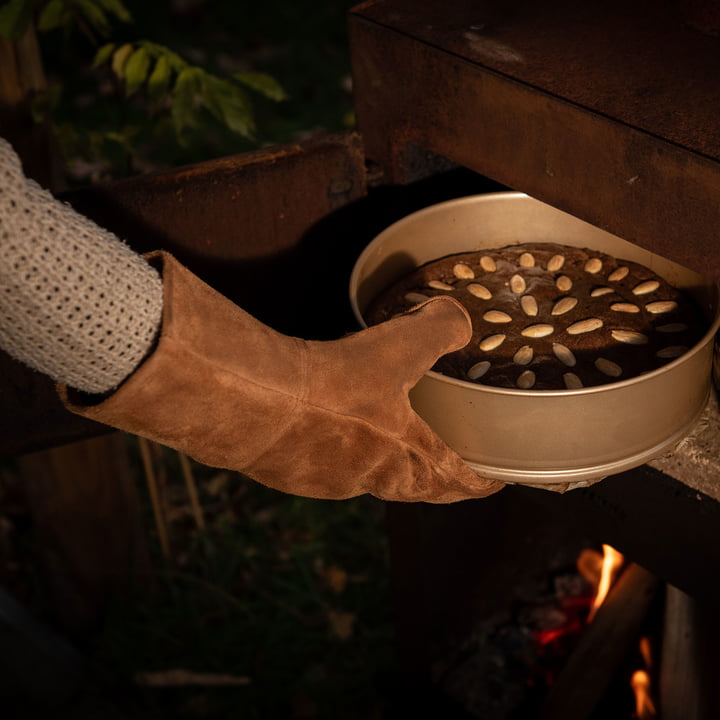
644,706
646,652
612,560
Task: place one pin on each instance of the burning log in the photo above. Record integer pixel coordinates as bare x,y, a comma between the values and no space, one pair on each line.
613,631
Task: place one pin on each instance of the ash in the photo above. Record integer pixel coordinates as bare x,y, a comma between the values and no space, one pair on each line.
502,668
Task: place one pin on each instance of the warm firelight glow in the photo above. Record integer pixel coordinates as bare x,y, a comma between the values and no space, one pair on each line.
612,560
645,652
644,706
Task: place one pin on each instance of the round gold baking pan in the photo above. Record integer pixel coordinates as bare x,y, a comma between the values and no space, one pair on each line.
543,436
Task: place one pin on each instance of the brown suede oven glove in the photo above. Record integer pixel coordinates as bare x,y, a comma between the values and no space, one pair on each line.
319,419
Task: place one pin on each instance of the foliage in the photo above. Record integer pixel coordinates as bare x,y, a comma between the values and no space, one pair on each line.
165,75
291,594
156,79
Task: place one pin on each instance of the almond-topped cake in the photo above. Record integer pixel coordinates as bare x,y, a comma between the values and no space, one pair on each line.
551,316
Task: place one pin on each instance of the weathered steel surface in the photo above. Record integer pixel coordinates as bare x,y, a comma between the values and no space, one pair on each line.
456,565
260,227
248,224
610,111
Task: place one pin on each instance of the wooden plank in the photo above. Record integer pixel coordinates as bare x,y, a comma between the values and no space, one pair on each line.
89,545
602,647
679,677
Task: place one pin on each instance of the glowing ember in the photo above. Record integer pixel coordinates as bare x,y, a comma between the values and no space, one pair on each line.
644,706
612,561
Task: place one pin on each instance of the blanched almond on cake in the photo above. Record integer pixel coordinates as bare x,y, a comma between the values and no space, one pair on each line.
555,263
572,381
672,328
672,351
593,266
524,355
564,305
440,285
625,307
661,306
538,331
496,316
563,283
517,284
488,264
529,305
479,291
646,287
584,326
526,380
564,354
618,274
478,370
491,342
600,291
463,271
527,260
608,367
630,337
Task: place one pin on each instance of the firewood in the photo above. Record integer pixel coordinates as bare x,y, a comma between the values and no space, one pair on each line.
606,641
680,691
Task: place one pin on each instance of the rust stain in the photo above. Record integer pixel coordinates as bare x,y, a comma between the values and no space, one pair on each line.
551,126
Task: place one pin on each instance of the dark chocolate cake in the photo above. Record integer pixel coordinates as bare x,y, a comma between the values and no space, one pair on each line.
550,316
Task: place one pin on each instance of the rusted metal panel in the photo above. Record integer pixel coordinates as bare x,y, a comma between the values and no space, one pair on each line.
638,63
598,109
260,227
247,223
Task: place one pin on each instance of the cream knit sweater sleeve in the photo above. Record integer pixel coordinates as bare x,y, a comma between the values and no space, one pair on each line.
75,302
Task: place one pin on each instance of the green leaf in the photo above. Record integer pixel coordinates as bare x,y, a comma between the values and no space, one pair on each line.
230,105
94,14
176,62
116,8
103,54
159,80
120,58
43,103
15,17
263,83
136,70
183,101
212,88
53,15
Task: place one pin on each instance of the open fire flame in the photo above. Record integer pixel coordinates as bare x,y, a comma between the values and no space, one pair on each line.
612,561
644,706
640,684
601,571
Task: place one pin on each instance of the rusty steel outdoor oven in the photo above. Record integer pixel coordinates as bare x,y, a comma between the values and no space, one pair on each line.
605,111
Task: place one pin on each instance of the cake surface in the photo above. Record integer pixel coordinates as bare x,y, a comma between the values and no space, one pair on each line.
549,316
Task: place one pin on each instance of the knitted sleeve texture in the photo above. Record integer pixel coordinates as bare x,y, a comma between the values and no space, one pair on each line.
76,303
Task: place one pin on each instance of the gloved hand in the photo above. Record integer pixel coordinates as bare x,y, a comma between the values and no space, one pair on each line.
319,419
